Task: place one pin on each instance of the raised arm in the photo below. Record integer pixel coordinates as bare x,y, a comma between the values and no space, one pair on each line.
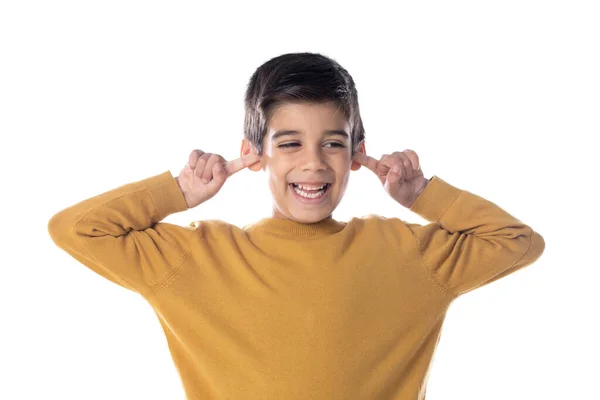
471,241
118,234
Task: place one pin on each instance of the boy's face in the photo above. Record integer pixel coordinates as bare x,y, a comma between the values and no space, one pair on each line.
307,145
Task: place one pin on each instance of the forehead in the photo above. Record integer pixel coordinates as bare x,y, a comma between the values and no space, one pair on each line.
306,115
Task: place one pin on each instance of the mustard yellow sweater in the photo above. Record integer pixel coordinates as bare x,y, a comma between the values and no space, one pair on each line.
283,310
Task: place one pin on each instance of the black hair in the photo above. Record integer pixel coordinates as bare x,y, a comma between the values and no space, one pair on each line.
299,77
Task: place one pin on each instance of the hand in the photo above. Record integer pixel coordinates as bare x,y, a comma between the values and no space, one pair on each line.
205,174
404,184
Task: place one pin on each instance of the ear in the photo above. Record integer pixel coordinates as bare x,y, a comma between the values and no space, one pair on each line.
246,149
361,149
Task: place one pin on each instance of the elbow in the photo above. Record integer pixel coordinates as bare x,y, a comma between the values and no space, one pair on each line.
59,229
536,247
54,228
531,248
524,247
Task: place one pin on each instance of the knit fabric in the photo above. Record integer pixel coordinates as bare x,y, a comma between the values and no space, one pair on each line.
284,310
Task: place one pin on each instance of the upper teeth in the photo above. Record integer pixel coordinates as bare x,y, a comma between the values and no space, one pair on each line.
307,187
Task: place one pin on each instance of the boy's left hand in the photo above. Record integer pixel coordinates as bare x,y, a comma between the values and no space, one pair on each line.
404,184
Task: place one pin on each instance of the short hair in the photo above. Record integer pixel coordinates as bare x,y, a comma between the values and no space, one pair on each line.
294,78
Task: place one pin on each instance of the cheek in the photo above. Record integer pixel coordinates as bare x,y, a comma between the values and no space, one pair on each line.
342,164
343,174
278,168
277,177
343,180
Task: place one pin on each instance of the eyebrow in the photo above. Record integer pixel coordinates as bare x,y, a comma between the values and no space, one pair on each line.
287,132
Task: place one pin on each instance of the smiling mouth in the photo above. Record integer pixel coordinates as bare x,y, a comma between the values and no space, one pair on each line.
313,192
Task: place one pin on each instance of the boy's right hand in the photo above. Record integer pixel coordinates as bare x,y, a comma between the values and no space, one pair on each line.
205,174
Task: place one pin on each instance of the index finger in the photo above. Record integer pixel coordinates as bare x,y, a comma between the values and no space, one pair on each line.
239,164
366,160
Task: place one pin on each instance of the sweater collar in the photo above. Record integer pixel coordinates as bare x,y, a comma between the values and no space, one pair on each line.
288,227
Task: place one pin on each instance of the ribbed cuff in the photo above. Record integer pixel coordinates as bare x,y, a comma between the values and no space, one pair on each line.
437,197
166,193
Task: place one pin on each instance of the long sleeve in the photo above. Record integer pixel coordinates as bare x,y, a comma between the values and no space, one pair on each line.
470,241
118,234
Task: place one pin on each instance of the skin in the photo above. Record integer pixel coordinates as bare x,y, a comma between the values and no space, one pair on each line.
313,156
400,173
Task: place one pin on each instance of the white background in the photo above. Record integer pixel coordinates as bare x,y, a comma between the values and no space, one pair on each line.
498,98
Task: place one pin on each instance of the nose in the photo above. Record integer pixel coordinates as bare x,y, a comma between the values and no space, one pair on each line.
313,160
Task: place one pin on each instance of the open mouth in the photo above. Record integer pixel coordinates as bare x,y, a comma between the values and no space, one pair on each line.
310,192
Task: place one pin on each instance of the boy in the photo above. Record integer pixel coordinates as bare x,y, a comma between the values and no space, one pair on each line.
299,305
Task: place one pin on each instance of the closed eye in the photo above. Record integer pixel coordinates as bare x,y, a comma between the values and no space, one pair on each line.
287,145
294,144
